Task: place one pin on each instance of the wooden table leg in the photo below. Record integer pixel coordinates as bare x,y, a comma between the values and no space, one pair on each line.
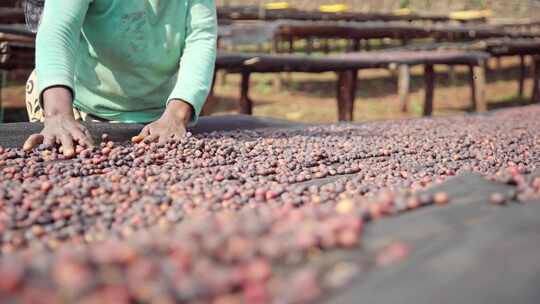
356,45
246,105
291,45
346,93
452,75
277,81
309,46
367,46
477,78
210,98
429,78
404,84
213,85
325,46
522,75
3,81
536,81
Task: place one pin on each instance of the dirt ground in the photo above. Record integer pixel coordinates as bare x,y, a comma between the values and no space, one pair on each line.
311,97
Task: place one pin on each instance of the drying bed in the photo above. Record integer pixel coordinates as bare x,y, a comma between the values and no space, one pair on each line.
285,213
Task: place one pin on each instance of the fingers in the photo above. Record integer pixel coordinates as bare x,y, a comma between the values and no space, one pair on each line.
88,137
178,135
151,138
82,136
32,142
67,145
139,138
164,138
49,141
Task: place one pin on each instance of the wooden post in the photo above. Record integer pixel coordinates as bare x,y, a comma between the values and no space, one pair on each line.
278,81
477,77
223,78
404,41
404,83
498,61
210,98
275,44
325,46
291,44
356,45
429,78
309,46
536,81
367,45
246,105
3,81
213,86
522,75
452,76
346,93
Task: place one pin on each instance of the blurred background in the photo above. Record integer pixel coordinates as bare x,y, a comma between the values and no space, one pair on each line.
500,8
264,27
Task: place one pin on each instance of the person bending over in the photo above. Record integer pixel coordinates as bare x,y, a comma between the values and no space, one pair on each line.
136,61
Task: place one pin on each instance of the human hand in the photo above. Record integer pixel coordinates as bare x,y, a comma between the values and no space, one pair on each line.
171,125
63,130
59,126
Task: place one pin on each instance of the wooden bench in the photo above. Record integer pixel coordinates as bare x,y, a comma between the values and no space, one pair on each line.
14,54
346,66
521,48
497,48
356,32
536,80
10,15
245,13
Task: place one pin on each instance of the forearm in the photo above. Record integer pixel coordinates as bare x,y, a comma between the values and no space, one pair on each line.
198,59
57,43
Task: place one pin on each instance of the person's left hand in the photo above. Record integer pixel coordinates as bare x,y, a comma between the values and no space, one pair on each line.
171,125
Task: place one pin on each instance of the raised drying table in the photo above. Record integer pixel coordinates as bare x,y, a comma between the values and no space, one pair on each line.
9,15
256,13
497,48
292,30
16,52
347,66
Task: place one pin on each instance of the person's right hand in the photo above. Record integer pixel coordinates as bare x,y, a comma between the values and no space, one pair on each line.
59,126
63,130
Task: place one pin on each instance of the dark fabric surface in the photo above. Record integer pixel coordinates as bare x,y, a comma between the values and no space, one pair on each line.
14,134
467,252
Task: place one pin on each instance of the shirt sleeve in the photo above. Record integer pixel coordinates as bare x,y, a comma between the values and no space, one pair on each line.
57,42
199,55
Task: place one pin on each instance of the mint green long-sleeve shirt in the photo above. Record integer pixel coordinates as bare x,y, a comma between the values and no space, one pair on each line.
126,59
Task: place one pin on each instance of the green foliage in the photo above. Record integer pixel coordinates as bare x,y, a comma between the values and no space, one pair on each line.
404,3
476,4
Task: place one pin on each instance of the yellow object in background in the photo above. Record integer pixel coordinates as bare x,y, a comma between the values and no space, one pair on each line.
333,8
277,5
470,15
403,12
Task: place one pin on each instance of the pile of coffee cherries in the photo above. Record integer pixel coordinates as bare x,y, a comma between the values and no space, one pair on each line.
239,216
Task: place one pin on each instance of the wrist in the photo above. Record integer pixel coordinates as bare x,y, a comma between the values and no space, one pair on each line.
179,110
57,101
